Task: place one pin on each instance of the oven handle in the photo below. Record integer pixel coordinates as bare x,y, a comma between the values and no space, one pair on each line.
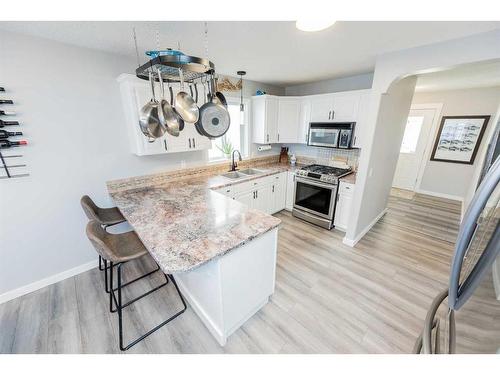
315,183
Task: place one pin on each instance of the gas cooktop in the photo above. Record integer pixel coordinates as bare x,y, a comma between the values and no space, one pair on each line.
323,172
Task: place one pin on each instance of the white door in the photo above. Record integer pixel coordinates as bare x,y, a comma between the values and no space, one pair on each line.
412,151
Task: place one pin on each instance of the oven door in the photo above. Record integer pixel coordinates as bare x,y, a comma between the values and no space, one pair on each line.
323,137
315,197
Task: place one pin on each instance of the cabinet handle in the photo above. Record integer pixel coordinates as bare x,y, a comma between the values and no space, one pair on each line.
268,137
333,114
194,144
329,115
278,137
189,142
354,141
257,194
254,195
165,144
273,188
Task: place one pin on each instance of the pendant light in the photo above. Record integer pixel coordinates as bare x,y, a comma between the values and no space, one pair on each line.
241,73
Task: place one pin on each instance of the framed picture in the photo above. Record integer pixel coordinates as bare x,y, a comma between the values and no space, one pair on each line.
459,138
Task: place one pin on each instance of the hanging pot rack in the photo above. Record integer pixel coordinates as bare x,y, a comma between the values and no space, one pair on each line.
192,68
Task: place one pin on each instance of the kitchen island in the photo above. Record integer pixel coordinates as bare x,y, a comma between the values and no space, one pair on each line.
221,252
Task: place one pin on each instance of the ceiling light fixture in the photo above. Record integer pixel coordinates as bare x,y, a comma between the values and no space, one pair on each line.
313,24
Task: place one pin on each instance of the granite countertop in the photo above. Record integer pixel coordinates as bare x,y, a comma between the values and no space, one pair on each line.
350,178
184,223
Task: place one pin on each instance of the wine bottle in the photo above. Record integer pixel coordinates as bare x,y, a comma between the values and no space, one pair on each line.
4,143
4,134
8,123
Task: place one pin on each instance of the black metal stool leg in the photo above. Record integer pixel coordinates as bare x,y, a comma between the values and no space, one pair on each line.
120,305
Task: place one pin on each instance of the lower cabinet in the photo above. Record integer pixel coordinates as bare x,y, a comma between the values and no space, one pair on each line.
344,204
267,194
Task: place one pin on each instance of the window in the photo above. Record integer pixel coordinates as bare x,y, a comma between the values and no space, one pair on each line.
236,137
412,133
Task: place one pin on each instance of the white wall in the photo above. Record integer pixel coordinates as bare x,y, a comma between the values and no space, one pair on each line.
357,82
372,188
69,106
452,178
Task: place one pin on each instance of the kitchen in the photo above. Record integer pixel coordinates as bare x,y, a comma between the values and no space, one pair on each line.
244,218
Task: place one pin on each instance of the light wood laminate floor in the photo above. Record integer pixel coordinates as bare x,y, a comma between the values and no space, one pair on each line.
329,298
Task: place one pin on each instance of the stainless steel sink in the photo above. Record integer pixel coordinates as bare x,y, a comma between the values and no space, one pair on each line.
251,171
234,175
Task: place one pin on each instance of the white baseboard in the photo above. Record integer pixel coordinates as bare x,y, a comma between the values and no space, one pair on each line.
10,295
496,277
352,242
440,195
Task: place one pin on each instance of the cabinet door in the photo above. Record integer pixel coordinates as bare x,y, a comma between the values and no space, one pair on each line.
265,119
321,108
201,142
345,106
247,198
304,119
288,120
360,127
344,204
263,201
279,192
272,119
290,190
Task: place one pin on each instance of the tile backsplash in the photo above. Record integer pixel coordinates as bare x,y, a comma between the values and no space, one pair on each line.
325,156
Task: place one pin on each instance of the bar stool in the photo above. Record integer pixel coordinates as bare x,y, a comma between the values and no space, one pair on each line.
119,249
104,216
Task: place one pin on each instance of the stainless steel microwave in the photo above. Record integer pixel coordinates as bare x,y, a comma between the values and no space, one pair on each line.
331,134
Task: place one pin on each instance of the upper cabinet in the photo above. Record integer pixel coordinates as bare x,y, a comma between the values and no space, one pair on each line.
286,119
265,119
135,93
321,108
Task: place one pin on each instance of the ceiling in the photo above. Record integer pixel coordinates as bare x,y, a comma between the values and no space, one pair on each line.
486,74
271,52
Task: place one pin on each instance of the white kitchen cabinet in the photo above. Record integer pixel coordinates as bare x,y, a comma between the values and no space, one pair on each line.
135,94
288,119
265,119
361,121
345,106
264,199
321,108
304,120
344,204
247,198
278,191
290,190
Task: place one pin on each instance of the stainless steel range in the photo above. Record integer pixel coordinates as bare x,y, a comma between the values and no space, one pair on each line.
316,193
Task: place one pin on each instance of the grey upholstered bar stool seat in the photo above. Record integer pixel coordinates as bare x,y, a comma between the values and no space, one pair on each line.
118,249
104,216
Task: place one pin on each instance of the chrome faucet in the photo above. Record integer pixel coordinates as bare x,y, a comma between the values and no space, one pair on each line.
233,164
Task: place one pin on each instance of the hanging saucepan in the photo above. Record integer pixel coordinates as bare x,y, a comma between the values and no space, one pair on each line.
181,121
185,105
218,95
166,114
206,98
214,119
149,122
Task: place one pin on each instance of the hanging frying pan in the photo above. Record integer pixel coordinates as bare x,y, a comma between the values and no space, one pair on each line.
219,97
166,114
184,103
149,122
181,121
214,120
197,124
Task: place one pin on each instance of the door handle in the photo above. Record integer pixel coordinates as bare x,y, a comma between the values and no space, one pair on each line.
165,144
189,142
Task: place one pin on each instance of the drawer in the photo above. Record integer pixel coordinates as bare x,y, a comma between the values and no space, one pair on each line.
226,190
346,188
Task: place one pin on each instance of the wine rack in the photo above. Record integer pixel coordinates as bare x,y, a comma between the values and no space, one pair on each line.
11,164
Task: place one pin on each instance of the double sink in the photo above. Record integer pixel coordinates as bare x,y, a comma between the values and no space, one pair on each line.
244,173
